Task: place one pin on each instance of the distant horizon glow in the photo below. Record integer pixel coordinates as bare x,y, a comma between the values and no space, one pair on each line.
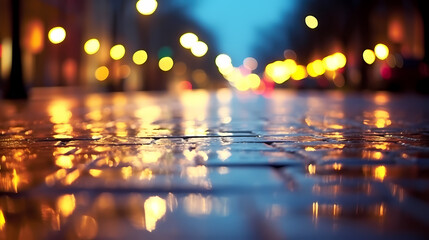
237,26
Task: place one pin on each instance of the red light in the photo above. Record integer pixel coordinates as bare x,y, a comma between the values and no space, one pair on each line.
0,51
185,85
385,71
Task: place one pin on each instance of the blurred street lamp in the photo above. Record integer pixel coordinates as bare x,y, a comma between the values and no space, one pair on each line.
188,40
381,51
165,64
57,35
368,56
140,57
92,46
311,22
117,52
199,49
146,7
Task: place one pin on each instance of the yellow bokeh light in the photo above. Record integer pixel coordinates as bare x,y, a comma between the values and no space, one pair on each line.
199,49
368,56
311,22
146,7
91,46
117,52
165,63
316,68
254,80
280,71
300,73
334,61
188,40
223,61
140,57
381,51
101,73
57,35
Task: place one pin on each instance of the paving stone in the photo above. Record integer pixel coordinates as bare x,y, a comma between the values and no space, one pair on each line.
214,165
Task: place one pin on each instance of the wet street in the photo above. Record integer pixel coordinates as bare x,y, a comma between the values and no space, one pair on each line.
214,165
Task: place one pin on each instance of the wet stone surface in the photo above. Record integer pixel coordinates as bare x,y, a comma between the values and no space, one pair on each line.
214,165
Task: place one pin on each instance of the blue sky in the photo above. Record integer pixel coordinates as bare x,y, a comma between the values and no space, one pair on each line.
237,25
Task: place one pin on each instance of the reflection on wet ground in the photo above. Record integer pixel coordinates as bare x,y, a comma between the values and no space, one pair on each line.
214,165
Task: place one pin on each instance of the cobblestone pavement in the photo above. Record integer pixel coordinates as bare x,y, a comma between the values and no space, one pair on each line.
214,165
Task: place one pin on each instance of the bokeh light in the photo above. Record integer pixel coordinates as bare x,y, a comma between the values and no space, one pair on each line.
117,52
311,22
199,49
101,73
165,64
34,41
91,46
223,61
300,73
368,56
381,51
188,40
146,7
57,35
250,63
140,57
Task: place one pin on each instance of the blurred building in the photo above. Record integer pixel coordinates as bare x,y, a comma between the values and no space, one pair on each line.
110,22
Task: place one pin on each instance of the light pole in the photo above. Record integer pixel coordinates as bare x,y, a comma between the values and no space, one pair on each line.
15,88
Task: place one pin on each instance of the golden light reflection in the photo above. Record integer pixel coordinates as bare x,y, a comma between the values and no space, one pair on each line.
154,209
64,161
197,204
315,210
380,173
66,204
381,210
150,156
381,98
15,180
378,118
71,177
95,172
50,179
309,149
148,114
86,227
2,220
59,112
311,168
337,166
127,172
146,174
